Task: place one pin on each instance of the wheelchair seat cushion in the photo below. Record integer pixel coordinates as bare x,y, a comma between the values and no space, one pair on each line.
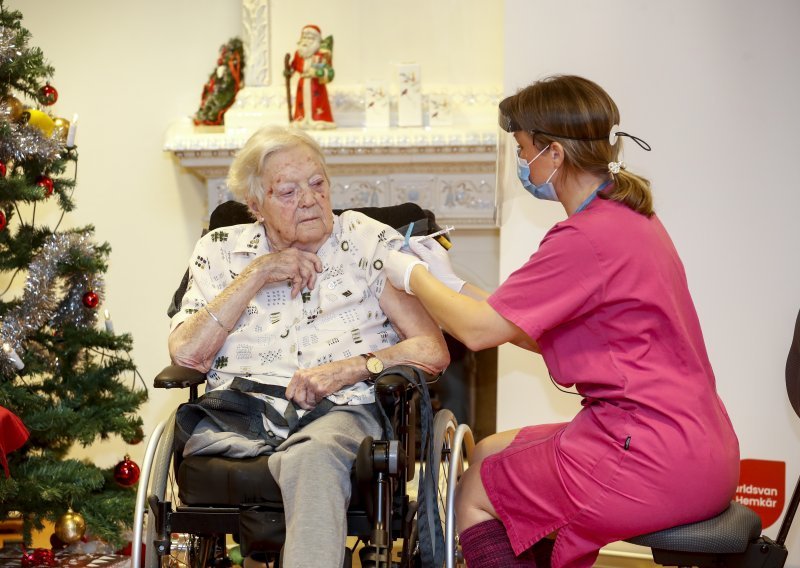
210,481
217,480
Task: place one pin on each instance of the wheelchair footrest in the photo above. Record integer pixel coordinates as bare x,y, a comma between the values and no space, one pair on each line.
204,520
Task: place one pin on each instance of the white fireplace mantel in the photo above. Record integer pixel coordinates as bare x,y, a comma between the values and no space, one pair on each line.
450,171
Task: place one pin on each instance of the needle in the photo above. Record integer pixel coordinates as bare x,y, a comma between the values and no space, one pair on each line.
447,229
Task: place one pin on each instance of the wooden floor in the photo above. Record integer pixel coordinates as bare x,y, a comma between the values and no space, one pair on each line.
624,555
618,555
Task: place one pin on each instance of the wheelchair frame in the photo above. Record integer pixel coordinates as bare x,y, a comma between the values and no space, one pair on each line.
393,513
388,515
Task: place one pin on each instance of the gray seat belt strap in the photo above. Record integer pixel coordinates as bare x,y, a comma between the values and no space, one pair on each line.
290,419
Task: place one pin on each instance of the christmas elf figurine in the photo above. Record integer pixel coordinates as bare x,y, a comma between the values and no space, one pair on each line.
313,61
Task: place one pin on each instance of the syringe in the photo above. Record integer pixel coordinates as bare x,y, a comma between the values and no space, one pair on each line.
446,230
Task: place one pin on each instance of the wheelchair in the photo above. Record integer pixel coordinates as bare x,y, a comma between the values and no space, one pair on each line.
192,504
732,539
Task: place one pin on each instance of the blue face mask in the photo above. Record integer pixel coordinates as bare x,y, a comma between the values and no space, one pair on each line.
542,191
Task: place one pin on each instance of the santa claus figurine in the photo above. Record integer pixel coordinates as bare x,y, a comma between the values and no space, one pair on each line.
313,61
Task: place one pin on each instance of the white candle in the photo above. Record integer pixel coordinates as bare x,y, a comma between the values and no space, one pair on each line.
13,357
109,323
73,128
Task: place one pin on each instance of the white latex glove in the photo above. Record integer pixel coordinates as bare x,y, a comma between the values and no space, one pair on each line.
398,268
435,255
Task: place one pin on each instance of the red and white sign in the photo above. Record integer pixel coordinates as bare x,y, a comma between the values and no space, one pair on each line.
762,487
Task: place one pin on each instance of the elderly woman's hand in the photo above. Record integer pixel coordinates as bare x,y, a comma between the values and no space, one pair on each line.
309,386
291,265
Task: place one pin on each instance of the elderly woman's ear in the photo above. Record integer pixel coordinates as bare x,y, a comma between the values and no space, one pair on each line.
254,210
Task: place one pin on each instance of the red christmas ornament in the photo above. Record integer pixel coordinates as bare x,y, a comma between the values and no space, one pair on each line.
45,183
91,299
3,221
126,472
127,550
56,543
38,557
3,169
136,438
48,95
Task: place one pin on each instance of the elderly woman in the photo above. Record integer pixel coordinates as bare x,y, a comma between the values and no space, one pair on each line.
299,299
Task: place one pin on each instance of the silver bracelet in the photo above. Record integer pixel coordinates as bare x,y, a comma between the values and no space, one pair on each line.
216,319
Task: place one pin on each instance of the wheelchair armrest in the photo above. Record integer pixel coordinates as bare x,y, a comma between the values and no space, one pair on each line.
388,389
399,397
391,389
177,377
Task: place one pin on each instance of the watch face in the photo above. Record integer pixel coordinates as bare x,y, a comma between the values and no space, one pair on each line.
374,365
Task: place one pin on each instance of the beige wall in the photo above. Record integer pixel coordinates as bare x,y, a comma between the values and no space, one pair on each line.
456,41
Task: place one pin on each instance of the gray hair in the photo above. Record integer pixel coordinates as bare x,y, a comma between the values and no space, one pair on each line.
250,163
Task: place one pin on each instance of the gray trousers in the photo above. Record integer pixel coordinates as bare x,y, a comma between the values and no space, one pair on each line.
312,468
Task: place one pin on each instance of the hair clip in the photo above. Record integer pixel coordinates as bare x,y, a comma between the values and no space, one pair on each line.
615,133
612,136
615,167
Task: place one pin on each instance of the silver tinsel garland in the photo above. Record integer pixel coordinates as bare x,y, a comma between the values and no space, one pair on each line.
26,142
49,299
8,48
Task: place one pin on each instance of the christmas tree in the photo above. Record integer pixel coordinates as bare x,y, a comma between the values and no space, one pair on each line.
64,372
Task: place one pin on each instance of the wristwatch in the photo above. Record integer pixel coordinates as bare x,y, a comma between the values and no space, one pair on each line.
374,365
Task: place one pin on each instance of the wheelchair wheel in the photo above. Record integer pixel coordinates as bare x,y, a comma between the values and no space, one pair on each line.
152,481
452,446
185,550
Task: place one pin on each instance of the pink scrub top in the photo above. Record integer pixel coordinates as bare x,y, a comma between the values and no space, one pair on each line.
606,298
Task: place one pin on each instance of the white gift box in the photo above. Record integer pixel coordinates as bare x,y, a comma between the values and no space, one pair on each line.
376,105
409,94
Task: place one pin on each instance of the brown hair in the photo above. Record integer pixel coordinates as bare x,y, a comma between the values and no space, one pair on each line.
578,114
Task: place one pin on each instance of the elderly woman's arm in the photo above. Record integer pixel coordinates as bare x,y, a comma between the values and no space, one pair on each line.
422,345
422,342
195,342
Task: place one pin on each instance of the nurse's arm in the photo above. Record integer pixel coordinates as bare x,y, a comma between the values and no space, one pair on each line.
467,316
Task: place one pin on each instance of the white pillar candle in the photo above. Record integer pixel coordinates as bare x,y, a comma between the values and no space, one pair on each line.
109,323
73,128
15,359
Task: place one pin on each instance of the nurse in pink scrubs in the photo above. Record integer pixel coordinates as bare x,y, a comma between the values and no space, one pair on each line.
604,300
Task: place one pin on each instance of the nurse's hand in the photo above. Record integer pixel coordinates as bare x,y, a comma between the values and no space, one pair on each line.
438,261
398,268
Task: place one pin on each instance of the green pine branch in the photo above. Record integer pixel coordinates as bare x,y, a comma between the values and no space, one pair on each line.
26,72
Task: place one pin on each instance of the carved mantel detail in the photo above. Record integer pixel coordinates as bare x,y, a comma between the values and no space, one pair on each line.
451,172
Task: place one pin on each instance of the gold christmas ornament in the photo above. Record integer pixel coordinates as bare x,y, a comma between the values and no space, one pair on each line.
61,129
70,527
10,108
40,120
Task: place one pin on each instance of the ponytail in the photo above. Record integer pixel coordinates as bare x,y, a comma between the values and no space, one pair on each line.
631,190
